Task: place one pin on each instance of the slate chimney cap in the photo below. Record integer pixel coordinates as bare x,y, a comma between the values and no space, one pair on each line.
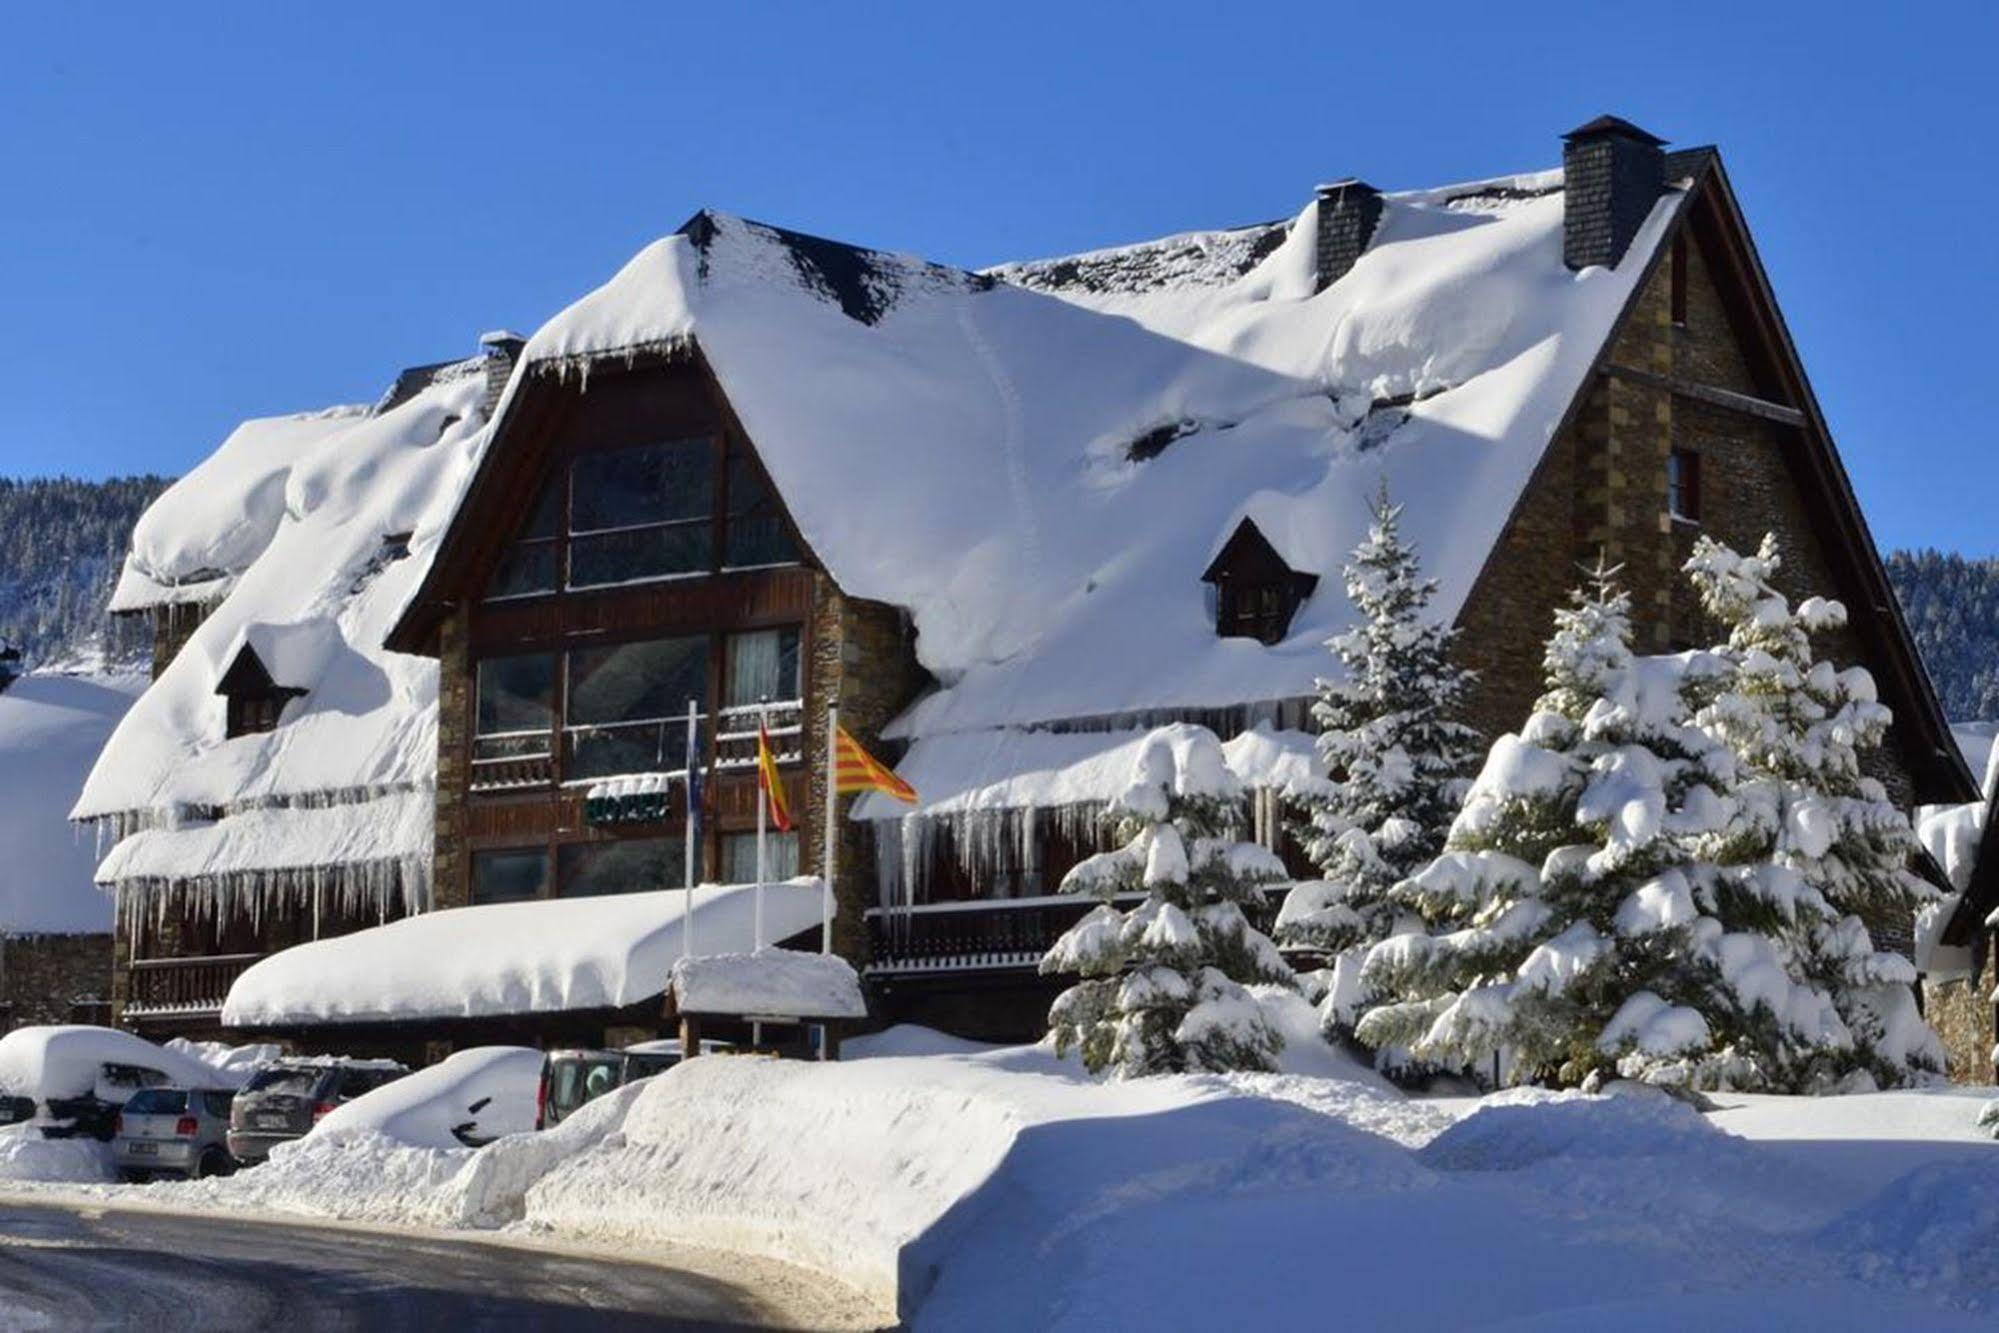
1352,184
1609,127
501,338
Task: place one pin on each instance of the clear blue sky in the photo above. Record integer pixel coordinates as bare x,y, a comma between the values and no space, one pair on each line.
218,212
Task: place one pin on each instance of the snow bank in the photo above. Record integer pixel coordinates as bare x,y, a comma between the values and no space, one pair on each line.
67,1061
509,958
1050,575
51,729
769,981
26,1156
895,1173
484,1093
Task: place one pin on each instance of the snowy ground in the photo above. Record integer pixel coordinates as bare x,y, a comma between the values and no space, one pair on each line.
930,1174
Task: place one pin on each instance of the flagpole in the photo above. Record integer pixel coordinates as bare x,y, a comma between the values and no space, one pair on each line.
763,802
691,832
832,814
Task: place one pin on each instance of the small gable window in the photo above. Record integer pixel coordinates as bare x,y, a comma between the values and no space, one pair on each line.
1256,593
1683,485
254,702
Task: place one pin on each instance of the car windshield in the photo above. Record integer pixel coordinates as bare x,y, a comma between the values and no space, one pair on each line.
157,1101
294,1082
578,1080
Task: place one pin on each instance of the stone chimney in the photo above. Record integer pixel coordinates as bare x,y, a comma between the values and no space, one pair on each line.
1612,174
503,349
1348,212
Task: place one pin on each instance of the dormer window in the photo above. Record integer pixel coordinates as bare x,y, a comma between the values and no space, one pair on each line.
254,701
1256,593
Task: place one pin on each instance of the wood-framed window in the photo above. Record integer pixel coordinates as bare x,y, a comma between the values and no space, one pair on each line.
253,714
1256,593
1683,485
637,513
509,875
599,709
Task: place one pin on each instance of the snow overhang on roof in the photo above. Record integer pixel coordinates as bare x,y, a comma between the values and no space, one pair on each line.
546,956
961,445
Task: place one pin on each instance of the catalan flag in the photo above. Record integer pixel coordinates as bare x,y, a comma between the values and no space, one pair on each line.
772,785
856,770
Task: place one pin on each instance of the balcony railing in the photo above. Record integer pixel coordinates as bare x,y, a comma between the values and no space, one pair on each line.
1001,933
736,737
172,987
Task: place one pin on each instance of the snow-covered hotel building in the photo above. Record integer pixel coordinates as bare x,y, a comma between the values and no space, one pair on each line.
1005,519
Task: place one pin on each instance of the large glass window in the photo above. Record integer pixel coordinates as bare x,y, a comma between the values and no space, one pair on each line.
762,666
756,531
509,876
516,706
533,564
641,512
628,705
739,857
630,865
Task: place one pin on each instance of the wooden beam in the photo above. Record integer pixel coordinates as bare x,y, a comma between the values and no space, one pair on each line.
1713,397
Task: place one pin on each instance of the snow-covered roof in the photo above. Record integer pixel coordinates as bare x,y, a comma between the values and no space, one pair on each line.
781,983
314,594
213,523
959,444
1006,769
51,728
511,958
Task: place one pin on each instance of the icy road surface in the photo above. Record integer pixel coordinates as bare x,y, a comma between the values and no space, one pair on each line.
92,1267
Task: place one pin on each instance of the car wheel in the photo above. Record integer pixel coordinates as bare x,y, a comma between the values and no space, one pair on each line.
131,1177
214,1162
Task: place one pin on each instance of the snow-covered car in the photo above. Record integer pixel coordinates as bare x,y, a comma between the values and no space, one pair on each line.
74,1080
285,1100
574,1078
174,1131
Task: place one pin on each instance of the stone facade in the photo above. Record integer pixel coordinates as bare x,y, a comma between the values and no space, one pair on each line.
1962,1014
54,979
450,880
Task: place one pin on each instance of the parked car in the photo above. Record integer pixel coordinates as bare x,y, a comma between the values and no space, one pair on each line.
574,1078
174,1131
283,1101
73,1080
94,1114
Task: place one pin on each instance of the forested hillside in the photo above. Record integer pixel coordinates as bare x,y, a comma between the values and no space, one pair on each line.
62,542
1953,606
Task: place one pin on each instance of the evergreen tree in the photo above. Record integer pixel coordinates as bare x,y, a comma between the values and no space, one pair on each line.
1566,892
1164,984
1819,848
1396,760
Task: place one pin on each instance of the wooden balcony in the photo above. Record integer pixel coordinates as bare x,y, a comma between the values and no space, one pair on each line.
976,936
183,987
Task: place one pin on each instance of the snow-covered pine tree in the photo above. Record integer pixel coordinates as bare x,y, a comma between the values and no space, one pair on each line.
1164,985
1566,890
1821,847
1396,758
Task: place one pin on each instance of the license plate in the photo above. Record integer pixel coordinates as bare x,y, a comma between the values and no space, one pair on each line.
144,1149
272,1122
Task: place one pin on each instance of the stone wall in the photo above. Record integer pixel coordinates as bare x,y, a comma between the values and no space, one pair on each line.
54,979
1962,1014
450,880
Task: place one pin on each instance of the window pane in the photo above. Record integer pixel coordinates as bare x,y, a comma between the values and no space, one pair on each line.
527,568
643,553
652,483
627,682
546,520
633,865
509,877
756,535
517,693
603,752
739,858
762,665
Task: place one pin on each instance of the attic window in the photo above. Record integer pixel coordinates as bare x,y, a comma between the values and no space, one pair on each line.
255,702
1256,593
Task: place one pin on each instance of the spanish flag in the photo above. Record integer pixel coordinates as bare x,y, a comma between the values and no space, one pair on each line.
857,770
770,783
